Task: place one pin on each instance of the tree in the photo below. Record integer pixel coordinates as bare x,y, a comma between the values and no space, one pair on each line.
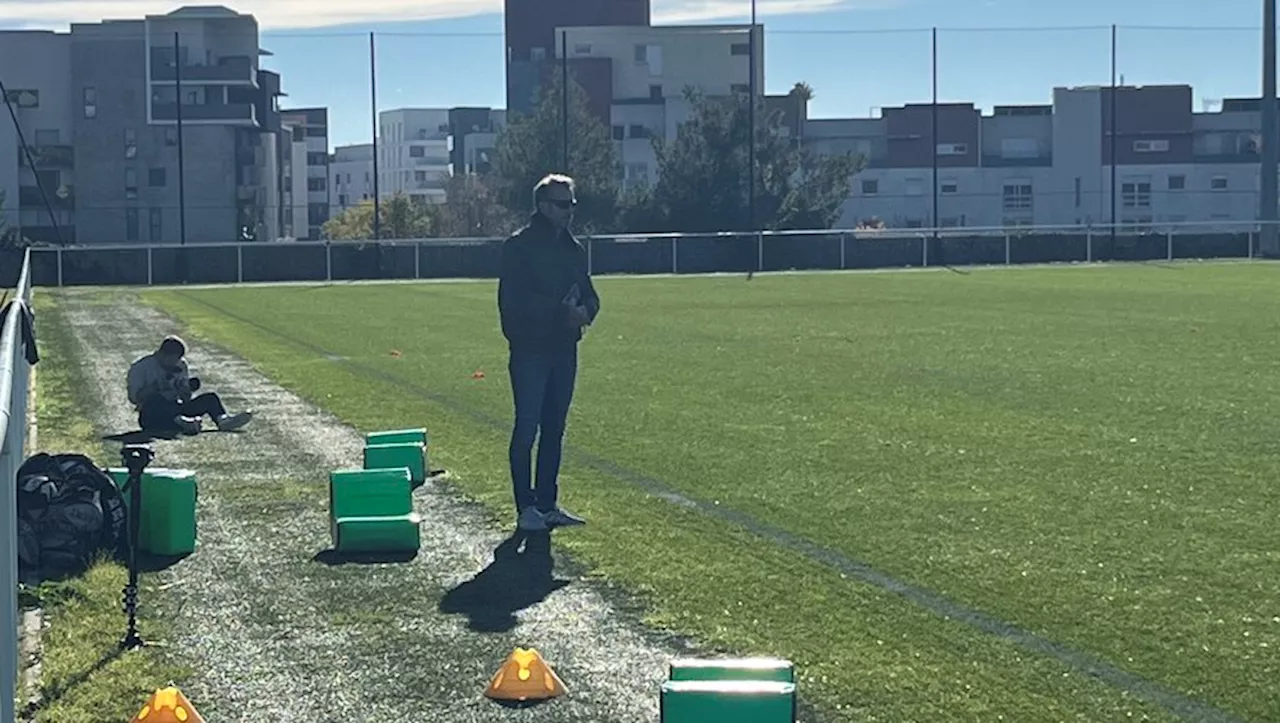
399,217
532,146
472,209
703,182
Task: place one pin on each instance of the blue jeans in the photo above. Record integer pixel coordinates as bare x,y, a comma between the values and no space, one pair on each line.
542,387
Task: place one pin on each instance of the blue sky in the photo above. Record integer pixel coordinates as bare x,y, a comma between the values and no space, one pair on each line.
857,54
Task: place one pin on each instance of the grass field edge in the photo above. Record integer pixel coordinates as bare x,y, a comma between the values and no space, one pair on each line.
81,617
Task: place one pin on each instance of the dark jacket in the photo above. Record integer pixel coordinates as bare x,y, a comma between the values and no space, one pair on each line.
540,270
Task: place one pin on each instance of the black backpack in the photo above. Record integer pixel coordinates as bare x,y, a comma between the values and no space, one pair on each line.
69,511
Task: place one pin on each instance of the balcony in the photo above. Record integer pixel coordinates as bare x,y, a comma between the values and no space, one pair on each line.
60,198
242,112
51,157
231,69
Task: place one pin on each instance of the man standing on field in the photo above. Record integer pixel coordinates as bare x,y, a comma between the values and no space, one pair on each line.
545,299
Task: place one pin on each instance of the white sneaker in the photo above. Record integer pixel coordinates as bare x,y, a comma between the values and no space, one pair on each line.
188,425
531,520
560,518
232,422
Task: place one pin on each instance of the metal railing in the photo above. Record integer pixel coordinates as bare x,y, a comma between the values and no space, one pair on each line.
670,253
15,374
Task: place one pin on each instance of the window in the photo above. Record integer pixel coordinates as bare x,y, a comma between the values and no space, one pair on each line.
953,149
23,98
1218,183
655,92
156,178
1017,195
130,143
948,187
90,98
317,132
619,133
1177,183
316,184
156,222
870,187
171,136
131,224
1136,193
1158,146
131,184
642,53
417,151
318,159
639,131
740,49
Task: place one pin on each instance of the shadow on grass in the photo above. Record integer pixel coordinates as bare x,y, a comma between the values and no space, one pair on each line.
333,557
51,695
516,579
147,436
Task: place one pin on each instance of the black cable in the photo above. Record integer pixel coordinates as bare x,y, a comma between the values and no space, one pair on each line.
22,141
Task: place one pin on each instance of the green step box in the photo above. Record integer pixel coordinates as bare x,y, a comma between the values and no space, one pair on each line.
766,669
361,493
167,522
398,533
728,701
396,436
409,455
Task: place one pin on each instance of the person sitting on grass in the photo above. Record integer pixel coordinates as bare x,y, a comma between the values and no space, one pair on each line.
160,388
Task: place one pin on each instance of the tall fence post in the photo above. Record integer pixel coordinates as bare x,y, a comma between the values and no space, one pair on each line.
417,261
924,251
844,241
1088,246
759,251
239,263
150,273
675,255
1169,241
328,261
1007,250
59,258
590,268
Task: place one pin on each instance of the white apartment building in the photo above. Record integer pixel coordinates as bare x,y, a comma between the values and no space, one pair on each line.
644,71
1051,164
351,168
413,153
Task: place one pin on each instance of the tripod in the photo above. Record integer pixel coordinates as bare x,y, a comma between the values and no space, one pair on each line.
136,457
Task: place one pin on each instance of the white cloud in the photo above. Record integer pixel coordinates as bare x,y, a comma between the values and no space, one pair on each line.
308,14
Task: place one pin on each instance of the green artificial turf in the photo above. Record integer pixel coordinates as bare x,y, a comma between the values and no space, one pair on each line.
1086,453
84,676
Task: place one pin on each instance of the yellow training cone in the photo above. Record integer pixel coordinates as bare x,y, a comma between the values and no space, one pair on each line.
168,705
525,676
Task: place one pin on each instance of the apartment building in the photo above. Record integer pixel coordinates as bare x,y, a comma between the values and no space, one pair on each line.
351,171
473,136
307,171
644,72
1052,164
413,153
102,108
532,38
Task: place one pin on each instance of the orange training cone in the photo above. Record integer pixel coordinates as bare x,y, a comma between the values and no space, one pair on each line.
525,676
168,705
